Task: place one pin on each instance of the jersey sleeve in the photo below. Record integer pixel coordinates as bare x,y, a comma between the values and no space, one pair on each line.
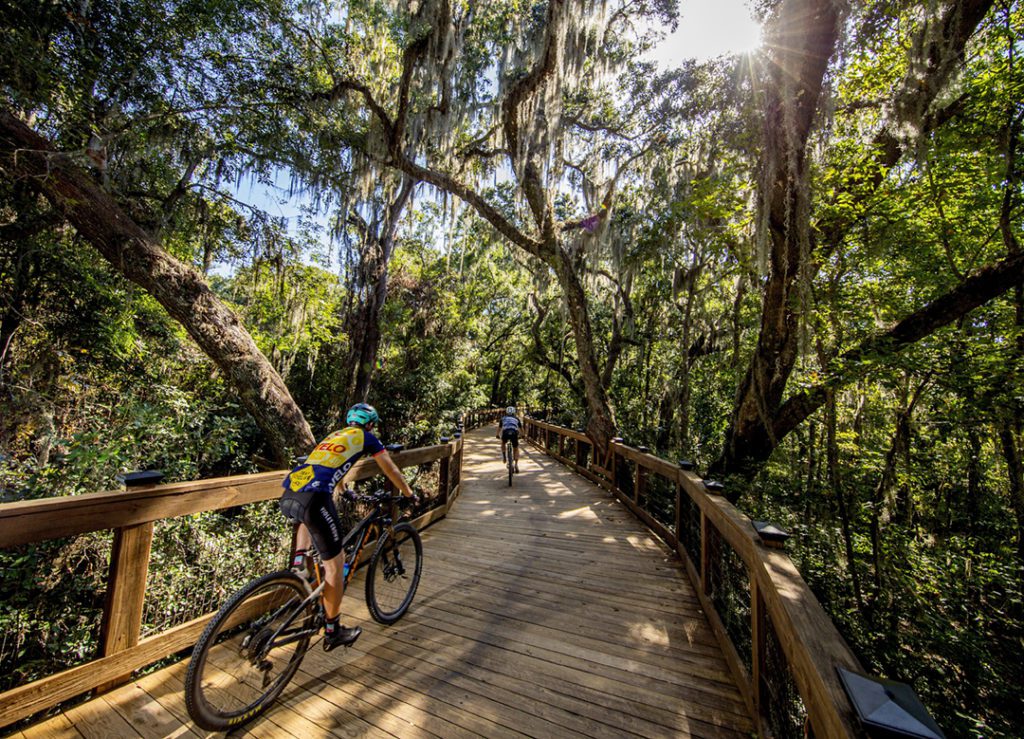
372,445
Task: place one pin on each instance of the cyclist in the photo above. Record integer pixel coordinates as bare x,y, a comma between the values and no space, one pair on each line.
308,498
508,430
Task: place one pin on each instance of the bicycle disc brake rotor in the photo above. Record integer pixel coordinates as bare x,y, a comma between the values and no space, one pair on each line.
393,568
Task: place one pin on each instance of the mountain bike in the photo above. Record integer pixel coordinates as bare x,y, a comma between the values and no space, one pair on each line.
510,460
255,643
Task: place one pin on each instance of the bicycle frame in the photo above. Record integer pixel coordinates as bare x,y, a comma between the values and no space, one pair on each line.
367,530
297,635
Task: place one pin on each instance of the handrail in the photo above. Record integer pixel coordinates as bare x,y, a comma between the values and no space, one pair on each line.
131,515
785,621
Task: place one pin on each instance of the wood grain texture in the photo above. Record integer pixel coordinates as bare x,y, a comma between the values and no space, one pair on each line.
545,609
32,521
122,612
810,641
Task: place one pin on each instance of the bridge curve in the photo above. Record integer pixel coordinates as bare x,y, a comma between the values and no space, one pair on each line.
545,609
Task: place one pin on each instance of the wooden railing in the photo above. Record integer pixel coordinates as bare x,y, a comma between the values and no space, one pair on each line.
781,646
131,516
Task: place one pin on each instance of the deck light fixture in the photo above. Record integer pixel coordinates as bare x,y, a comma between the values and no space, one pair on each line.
143,477
888,709
771,535
714,487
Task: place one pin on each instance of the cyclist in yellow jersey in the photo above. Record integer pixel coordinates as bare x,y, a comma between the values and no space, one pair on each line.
308,498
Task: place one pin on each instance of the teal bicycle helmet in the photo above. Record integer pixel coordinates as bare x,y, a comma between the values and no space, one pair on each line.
362,413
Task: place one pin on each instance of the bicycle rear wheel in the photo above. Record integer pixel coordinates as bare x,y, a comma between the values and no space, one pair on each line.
511,461
394,573
249,651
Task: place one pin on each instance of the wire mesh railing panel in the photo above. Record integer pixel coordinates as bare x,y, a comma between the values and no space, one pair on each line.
625,474
583,454
729,590
689,528
660,499
569,448
197,561
51,605
781,704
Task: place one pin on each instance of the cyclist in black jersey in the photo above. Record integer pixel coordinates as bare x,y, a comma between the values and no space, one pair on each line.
308,498
508,430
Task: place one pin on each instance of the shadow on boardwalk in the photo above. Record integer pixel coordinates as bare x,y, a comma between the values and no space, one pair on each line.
545,609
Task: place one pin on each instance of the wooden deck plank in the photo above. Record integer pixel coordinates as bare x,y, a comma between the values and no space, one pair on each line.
95,719
147,716
58,727
545,609
560,701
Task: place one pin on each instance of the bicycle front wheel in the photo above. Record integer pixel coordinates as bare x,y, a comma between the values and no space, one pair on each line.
394,573
249,651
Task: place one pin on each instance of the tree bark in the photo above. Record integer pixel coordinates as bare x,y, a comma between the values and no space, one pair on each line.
832,462
600,420
939,46
138,256
804,41
371,285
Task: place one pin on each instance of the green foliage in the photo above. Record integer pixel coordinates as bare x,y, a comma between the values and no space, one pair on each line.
911,544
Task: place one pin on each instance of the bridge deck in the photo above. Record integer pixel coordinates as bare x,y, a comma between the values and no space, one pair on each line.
545,609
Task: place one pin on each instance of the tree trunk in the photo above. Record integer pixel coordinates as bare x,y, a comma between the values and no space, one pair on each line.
179,288
804,40
1009,436
371,285
600,418
496,380
939,46
832,461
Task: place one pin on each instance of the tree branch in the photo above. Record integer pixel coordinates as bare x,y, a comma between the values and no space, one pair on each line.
973,292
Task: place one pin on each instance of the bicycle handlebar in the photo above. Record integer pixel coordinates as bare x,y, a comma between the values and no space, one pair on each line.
377,497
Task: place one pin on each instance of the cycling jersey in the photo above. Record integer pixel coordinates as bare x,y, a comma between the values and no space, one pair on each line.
509,423
331,459
307,496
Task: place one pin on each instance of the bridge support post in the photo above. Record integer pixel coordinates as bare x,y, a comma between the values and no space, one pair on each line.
122,612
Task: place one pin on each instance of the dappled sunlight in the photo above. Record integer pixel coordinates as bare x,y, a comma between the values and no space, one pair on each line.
543,606
643,543
584,512
647,632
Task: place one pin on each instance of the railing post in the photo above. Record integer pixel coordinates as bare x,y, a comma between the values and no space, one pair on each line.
703,552
679,513
121,626
462,469
443,478
640,486
612,460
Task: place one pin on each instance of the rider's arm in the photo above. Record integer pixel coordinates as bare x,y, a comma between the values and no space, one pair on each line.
390,469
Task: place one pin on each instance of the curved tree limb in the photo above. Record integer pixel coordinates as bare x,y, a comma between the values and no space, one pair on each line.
137,255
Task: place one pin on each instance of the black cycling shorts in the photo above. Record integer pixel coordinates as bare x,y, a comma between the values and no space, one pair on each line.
317,511
510,435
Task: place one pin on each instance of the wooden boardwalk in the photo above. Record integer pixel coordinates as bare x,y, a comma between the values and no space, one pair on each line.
545,610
